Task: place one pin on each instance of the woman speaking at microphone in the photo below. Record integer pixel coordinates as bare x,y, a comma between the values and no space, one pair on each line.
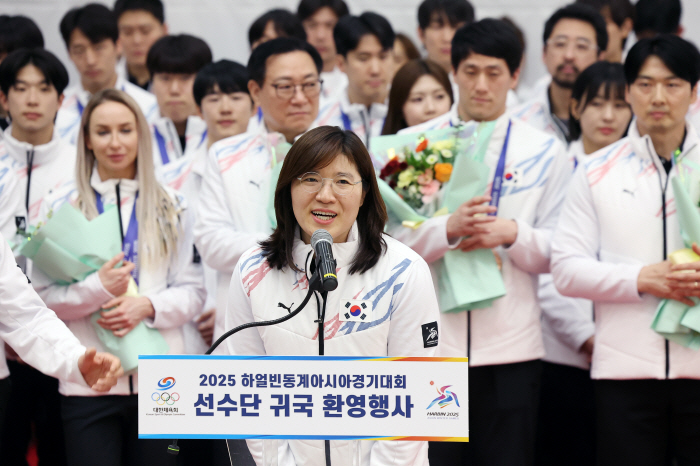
328,182
114,166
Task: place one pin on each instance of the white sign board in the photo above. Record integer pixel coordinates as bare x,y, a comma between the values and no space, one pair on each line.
303,397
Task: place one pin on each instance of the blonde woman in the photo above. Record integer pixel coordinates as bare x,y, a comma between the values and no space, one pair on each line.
114,166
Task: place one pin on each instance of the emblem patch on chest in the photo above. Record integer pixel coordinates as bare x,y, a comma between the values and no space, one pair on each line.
355,310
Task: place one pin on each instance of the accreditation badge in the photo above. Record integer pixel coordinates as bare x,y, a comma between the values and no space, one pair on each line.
355,310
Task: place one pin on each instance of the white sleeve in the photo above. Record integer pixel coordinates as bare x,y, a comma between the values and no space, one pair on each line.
576,269
74,301
570,319
216,238
184,297
429,240
531,250
32,330
415,305
10,202
238,312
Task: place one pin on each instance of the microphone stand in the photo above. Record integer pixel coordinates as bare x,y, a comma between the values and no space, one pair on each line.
315,284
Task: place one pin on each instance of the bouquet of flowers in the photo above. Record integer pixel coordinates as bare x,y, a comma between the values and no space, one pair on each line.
432,174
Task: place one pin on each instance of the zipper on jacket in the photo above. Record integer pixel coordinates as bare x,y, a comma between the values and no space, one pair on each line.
469,337
663,187
368,128
30,167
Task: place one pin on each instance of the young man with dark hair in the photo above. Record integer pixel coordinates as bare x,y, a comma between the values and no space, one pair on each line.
273,24
365,46
575,37
504,341
173,62
32,82
284,81
319,18
617,229
140,23
654,17
619,19
91,36
438,20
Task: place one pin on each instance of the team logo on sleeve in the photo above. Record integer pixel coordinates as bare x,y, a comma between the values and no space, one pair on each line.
355,311
430,334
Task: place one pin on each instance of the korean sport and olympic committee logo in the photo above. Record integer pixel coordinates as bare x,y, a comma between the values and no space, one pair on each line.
163,396
446,399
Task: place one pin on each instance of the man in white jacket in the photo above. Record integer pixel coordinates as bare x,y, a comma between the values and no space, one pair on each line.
173,63
236,184
504,341
575,37
365,54
91,37
617,229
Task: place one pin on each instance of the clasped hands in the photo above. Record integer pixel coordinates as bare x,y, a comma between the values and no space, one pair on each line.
127,311
664,280
479,230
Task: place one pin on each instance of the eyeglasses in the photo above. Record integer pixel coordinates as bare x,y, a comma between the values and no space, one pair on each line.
560,44
287,91
342,185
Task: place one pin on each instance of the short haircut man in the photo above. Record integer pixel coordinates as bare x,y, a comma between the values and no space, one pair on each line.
54,72
619,18
654,17
575,37
437,22
18,31
224,76
273,24
141,23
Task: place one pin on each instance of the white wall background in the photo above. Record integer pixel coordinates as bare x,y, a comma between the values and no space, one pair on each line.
224,23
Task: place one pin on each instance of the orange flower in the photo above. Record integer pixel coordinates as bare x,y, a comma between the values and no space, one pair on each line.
443,171
422,145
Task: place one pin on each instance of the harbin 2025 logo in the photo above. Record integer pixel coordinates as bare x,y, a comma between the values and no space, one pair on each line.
445,405
164,394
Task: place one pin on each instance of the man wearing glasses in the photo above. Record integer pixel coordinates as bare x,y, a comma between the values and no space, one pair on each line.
575,37
237,182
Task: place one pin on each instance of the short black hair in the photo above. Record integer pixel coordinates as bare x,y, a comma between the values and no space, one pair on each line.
178,54
456,12
94,20
154,7
19,31
286,24
657,16
610,77
50,66
679,56
619,10
308,8
351,29
490,37
226,75
583,13
257,63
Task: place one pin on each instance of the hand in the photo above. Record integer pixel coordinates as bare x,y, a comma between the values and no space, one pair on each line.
206,325
127,313
115,280
462,222
500,232
587,347
100,370
652,279
685,278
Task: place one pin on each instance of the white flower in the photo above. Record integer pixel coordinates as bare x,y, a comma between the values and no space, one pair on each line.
446,153
401,156
431,159
413,189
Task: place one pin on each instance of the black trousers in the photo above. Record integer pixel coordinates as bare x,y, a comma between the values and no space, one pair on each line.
566,420
34,399
5,387
641,422
103,430
503,402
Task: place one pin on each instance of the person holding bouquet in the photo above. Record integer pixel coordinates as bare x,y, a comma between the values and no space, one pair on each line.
115,166
328,181
515,217
618,227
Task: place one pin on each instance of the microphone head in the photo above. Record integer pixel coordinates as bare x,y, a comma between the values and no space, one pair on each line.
320,235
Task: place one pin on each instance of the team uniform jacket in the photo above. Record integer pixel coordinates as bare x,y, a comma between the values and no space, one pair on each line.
32,330
611,226
11,203
76,99
566,322
536,171
398,304
537,112
174,288
334,83
166,143
354,117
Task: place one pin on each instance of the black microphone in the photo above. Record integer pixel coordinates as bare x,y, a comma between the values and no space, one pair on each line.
321,242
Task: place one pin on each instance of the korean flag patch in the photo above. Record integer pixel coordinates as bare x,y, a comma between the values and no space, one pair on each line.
356,311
